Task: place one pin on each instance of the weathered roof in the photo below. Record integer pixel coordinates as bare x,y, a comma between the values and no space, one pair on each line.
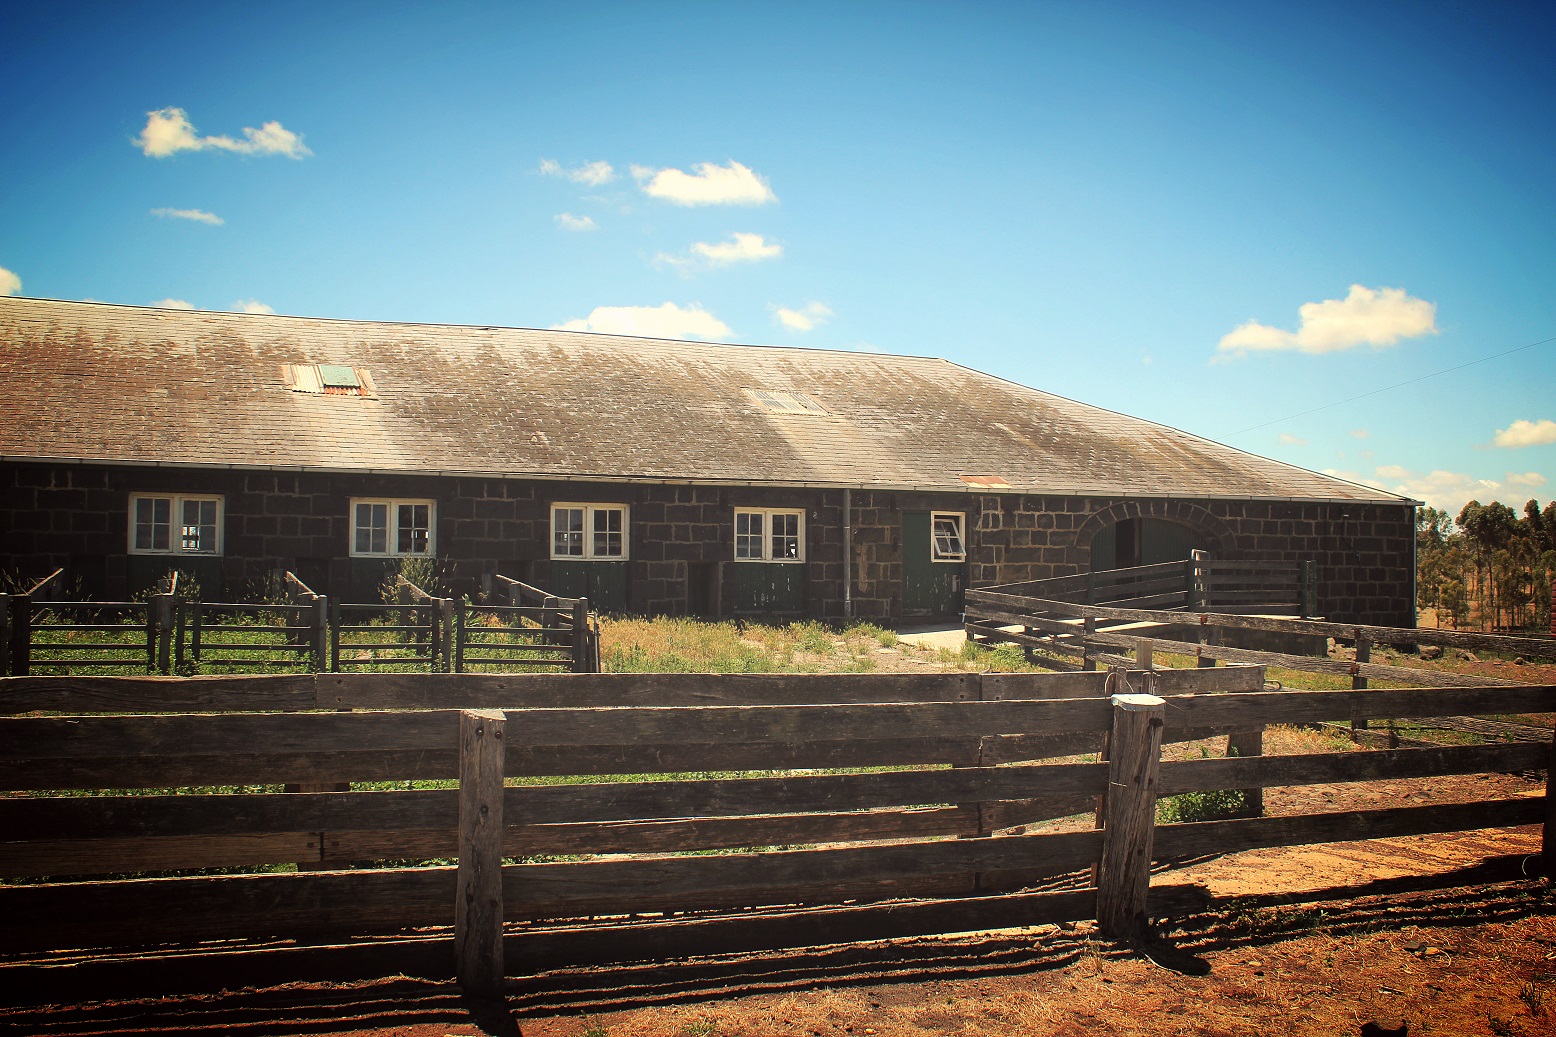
104,383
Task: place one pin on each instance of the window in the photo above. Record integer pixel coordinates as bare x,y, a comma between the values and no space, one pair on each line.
946,544
391,528
328,379
175,524
769,535
589,531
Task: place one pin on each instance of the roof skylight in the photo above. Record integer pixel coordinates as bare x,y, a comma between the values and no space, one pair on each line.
781,401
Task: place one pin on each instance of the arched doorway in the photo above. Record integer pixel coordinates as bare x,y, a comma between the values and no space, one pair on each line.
1144,541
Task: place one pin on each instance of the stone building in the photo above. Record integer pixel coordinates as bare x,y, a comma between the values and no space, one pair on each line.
653,476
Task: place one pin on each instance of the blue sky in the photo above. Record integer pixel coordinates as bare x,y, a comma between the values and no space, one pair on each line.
1215,216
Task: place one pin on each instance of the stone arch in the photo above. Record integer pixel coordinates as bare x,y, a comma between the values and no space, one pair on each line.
1219,536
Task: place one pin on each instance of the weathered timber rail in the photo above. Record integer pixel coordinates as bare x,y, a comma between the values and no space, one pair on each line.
419,632
953,857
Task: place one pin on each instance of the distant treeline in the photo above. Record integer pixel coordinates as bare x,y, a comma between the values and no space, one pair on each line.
1490,567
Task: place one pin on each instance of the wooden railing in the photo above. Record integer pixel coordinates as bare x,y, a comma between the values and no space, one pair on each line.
950,860
1086,631
424,632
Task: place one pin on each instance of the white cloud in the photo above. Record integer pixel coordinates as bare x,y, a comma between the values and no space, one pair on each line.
1371,317
709,184
803,319
10,284
592,173
1360,433
740,248
251,306
666,321
567,221
173,304
197,215
1444,490
169,131
1523,433
1287,439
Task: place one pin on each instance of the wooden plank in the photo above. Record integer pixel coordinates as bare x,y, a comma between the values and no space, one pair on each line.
535,891
1236,711
1531,647
999,687
1004,618
620,801
783,830
1016,813
751,933
134,912
478,912
513,691
1308,663
1193,839
1206,680
1129,812
60,858
1321,768
156,694
714,724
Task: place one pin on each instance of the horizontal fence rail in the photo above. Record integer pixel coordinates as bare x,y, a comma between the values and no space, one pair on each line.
936,840
419,632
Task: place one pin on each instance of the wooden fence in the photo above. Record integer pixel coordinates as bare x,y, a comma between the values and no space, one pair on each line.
1196,584
816,869
166,632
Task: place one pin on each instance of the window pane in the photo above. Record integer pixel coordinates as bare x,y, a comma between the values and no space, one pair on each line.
948,537
149,528
161,523
413,528
607,532
567,532
786,536
372,528
197,530
748,534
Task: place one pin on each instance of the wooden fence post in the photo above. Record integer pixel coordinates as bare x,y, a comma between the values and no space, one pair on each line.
1358,682
1088,627
1142,655
478,907
1548,836
319,619
444,619
1129,822
5,635
1307,590
160,630
335,638
581,635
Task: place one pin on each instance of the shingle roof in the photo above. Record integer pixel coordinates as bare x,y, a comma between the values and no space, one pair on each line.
98,382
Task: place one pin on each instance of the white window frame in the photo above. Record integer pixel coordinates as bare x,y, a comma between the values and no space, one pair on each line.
767,515
590,510
960,518
392,527
175,538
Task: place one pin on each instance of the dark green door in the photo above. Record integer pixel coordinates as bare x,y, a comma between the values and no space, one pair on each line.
769,587
930,587
603,583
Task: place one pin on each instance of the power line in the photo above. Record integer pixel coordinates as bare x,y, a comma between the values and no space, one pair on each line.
1386,388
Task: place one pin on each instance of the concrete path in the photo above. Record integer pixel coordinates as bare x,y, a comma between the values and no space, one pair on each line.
933,635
